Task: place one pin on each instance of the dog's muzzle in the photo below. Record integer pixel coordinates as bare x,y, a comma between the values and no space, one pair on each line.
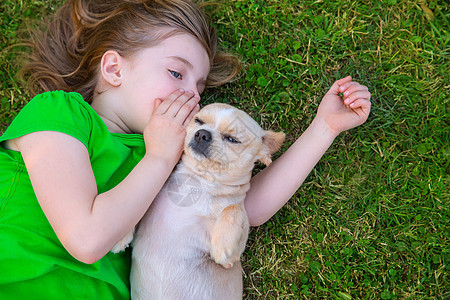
201,142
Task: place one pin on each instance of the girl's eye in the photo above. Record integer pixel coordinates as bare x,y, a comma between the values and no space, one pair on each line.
231,139
199,122
176,74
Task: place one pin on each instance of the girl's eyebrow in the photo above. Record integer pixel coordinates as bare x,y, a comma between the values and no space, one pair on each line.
182,60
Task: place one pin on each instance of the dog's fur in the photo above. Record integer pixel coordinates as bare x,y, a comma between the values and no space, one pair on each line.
189,243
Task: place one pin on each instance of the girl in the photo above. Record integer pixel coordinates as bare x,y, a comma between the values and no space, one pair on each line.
82,162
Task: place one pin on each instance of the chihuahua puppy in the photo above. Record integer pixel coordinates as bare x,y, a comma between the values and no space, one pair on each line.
188,244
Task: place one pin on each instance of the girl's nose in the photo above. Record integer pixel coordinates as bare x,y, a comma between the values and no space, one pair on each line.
193,89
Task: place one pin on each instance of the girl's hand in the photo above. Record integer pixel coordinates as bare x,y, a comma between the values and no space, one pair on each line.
351,110
166,130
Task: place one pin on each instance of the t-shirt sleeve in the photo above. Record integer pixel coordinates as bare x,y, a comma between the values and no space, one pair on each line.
53,111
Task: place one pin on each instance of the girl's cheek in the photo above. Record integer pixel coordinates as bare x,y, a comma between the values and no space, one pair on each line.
164,89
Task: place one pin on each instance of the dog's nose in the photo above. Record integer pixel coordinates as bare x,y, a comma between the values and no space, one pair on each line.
203,136
201,142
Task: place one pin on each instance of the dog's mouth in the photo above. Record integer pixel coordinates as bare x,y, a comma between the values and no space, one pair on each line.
199,149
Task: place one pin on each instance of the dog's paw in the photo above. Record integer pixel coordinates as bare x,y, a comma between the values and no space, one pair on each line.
123,243
224,257
229,236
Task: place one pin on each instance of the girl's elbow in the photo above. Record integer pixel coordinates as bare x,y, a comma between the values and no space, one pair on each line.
85,252
255,220
257,223
87,258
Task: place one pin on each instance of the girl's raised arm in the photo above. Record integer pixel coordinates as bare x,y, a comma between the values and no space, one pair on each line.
274,186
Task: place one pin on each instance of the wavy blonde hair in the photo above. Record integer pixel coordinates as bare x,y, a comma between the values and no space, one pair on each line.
66,55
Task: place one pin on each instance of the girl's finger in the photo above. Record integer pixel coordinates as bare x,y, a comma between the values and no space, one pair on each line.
191,115
334,90
167,103
350,87
355,96
156,104
179,103
361,107
185,110
354,89
344,80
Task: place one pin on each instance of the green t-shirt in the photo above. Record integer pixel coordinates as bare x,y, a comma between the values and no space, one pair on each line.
33,262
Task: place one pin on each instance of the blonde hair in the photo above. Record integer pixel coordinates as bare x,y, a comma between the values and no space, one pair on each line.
67,54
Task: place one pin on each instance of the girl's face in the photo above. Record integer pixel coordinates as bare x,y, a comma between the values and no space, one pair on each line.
178,62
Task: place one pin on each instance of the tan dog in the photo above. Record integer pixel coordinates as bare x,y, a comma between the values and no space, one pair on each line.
189,243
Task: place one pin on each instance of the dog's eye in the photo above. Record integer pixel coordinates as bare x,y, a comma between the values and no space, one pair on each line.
199,122
231,139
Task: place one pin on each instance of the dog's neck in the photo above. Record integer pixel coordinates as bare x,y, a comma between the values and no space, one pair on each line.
213,195
216,178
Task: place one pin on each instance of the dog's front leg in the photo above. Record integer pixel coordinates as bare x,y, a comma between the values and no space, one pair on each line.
229,235
123,243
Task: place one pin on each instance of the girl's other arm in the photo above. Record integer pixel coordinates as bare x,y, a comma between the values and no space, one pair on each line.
89,224
272,187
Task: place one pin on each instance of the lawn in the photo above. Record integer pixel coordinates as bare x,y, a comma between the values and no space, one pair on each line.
372,219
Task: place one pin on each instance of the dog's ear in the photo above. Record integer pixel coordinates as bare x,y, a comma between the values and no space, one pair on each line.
271,142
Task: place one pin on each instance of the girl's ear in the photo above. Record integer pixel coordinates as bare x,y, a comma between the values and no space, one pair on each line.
111,67
271,143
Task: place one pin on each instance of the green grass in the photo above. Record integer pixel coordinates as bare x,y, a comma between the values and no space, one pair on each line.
372,219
